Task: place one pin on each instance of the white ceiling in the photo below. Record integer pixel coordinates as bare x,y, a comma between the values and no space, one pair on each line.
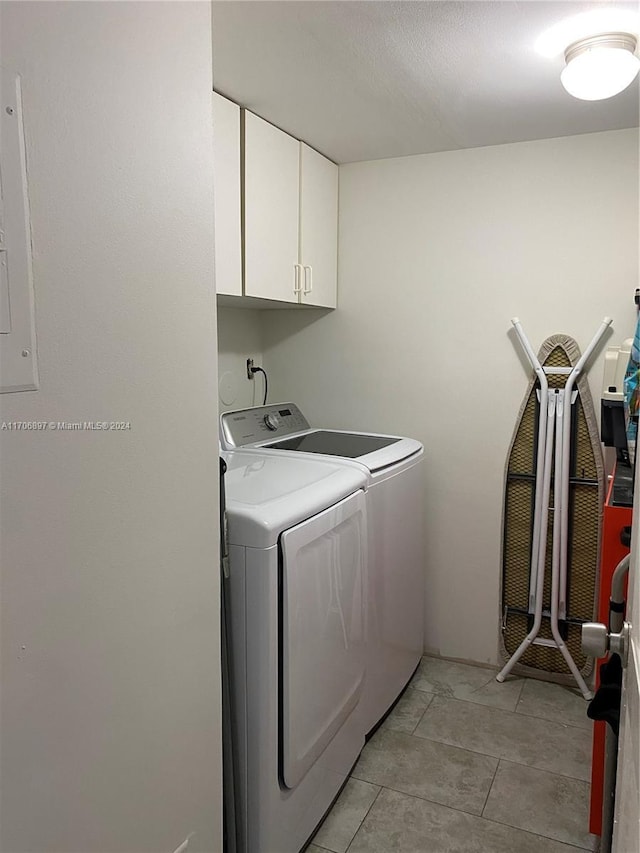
365,79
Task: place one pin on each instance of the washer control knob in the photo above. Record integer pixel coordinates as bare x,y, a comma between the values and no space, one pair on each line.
271,421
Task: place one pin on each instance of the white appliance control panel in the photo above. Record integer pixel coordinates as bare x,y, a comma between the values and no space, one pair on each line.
261,423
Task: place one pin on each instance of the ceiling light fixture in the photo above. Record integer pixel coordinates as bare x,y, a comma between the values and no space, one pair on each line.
600,66
554,40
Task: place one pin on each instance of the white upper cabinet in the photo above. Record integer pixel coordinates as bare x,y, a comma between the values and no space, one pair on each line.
276,213
318,228
271,211
226,188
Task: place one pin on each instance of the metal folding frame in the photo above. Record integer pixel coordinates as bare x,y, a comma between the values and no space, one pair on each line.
554,455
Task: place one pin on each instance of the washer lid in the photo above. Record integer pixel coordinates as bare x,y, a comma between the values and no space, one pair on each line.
267,494
334,443
370,449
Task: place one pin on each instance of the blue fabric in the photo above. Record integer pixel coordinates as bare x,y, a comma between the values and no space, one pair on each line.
632,391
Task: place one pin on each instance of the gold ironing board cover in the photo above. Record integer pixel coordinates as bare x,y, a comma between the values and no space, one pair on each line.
586,500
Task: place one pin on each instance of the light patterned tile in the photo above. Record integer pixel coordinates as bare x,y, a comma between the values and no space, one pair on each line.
554,702
541,802
348,812
408,712
423,768
565,750
471,683
402,824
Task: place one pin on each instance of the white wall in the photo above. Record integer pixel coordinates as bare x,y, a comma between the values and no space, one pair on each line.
437,253
239,338
110,626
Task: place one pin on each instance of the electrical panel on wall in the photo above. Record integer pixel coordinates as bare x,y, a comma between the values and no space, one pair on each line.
18,367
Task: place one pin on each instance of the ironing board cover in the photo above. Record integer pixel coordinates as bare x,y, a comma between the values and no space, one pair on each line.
585,512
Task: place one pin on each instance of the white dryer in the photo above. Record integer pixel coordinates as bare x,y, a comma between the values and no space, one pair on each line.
297,557
396,572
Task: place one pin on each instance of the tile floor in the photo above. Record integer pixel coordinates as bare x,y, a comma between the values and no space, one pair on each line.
467,765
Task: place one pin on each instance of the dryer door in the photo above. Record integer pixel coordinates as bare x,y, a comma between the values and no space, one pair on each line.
321,631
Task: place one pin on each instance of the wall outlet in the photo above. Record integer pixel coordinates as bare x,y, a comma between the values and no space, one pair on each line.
249,367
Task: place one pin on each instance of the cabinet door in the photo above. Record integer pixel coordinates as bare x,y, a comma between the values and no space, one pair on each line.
226,196
271,193
318,227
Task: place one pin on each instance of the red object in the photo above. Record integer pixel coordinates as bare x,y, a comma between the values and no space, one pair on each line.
615,518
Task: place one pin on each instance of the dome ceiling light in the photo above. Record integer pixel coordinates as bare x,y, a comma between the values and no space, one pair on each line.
600,66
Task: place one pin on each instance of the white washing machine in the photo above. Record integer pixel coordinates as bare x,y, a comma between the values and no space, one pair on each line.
396,573
297,538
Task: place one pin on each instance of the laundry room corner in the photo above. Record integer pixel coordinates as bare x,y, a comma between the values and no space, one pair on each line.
405,188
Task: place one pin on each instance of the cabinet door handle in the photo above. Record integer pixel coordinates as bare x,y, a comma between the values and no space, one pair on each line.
297,286
310,288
